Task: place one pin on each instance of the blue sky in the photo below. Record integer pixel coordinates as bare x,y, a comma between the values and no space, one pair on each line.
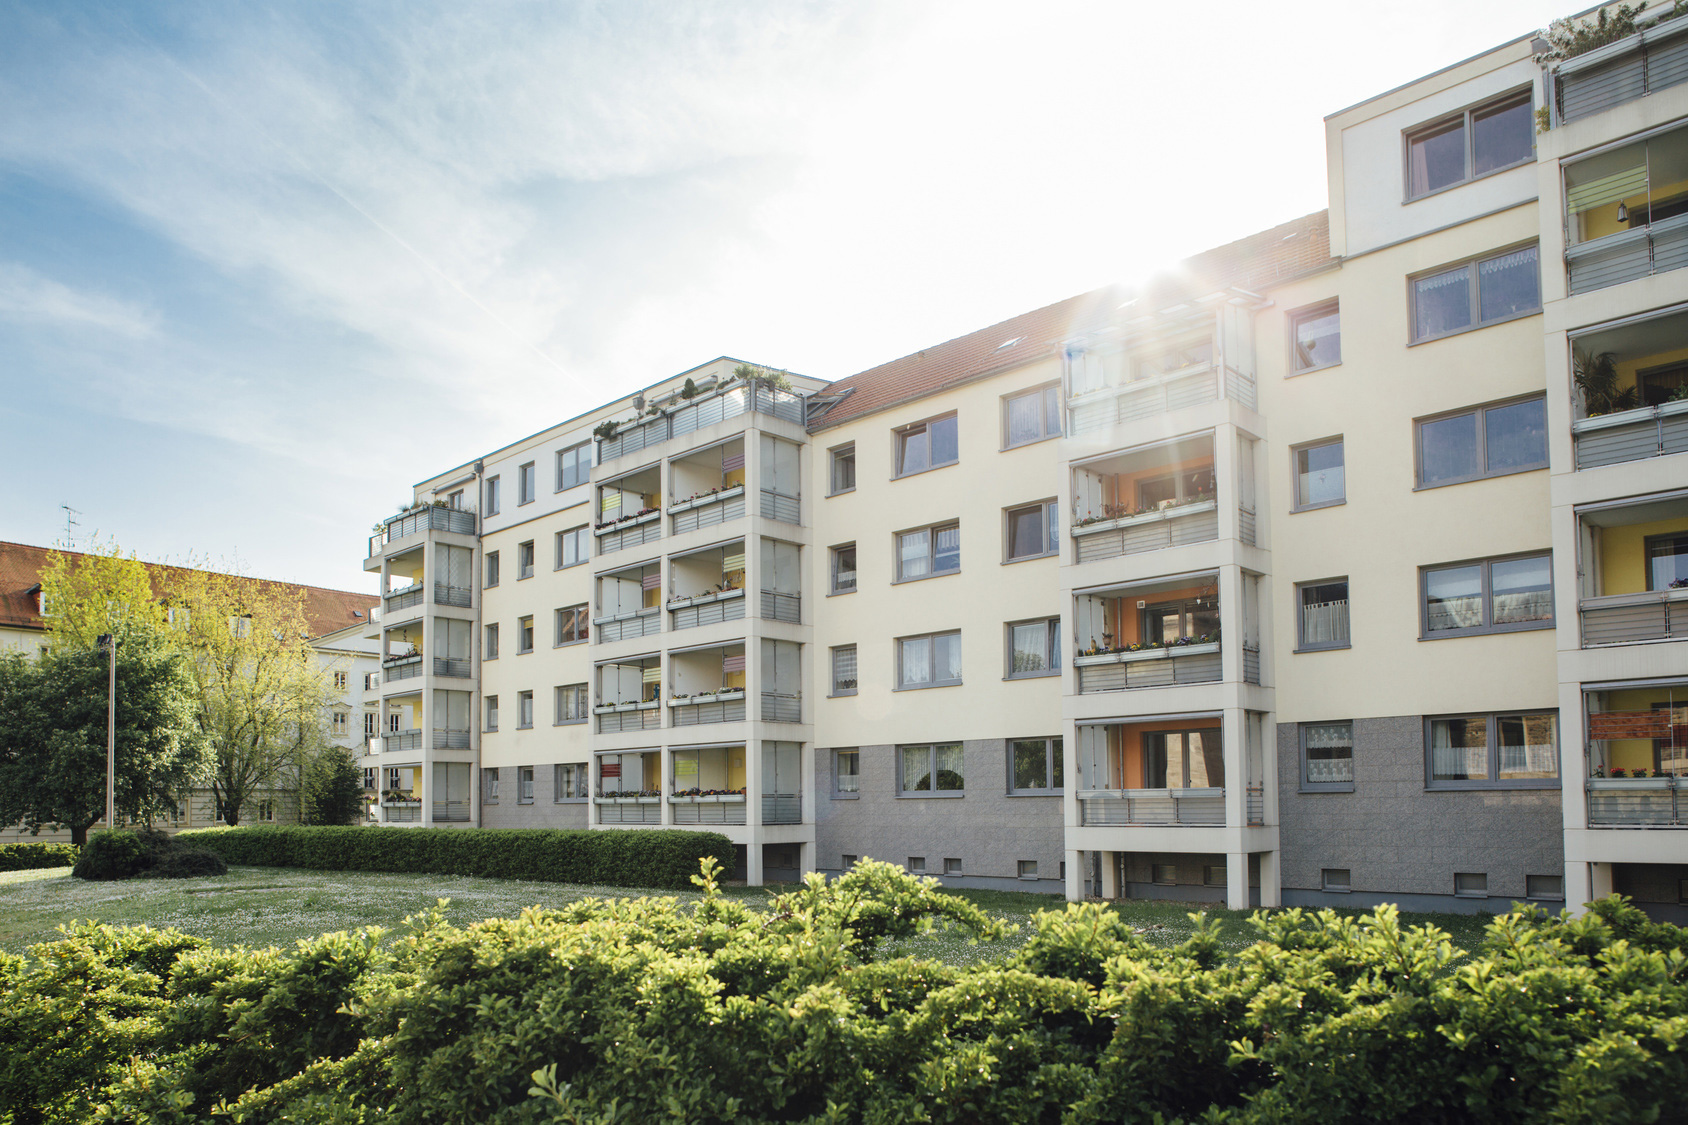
264,266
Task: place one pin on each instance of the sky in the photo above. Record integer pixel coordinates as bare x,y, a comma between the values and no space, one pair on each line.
264,266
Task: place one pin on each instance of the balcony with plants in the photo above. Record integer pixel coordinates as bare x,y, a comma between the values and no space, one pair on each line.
707,685
1626,212
416,519
706,587
629,695
706,488
695,404
629,788
405,596
1634,572
1637,757
629,510
1165,772
1612,58
401,652
1631,400
709,785
1146,499
629,603
1159,634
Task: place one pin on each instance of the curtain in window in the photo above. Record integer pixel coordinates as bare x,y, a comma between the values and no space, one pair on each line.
917,773
1324,622
1027,532
1025,415
946,656
947,761
914,560
947,556
1442,302
1459,750
1030,645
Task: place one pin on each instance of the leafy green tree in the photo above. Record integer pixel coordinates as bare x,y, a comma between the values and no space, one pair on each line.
333,788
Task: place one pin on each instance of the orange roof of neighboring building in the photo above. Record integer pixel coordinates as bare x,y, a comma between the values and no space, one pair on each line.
326,611
1258,262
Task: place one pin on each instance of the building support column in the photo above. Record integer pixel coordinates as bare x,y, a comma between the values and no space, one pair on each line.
1236,881
1110,876
1271,882
753,861
1075,875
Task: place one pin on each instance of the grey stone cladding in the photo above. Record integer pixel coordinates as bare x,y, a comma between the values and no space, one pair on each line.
541,812
1401,842
988,830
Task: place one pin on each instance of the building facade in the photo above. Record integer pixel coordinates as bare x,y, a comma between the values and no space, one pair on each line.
1336,566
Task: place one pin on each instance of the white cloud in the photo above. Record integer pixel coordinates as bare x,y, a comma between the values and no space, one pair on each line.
26,297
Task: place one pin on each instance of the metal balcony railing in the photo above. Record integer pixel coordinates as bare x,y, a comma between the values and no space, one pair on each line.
461,521
1620,619
781,506
707,511
781,607
1154,667
780,708
706,609
1130,807
403,740
404,599
1617,258
724,809
450,739
459,596
706,410
1652,802
1631,435
1654,59
1196,522
782,808
459,669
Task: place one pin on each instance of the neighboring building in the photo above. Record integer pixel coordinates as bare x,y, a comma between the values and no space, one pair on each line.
337,622
1305,574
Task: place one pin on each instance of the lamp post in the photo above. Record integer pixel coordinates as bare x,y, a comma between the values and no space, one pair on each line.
108,645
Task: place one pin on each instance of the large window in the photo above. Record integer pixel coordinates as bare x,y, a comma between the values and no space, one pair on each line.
932,769
1035,766
1183,759
524,710
1185,487
527,484
1519,750
927,445
932,660
524,560
846,773
929,551
1487,596
1323,614
1034,648
1315,338
1485,138
571,705
574,465
1033,532
524,634
573,625
1189,355
573,546
1327,756
1485,441
843,476
1667,562
843,570
1473,294
1032,416
569,782
844,670
1320,475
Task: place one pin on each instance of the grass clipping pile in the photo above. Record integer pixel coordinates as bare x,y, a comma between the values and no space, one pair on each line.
636,1010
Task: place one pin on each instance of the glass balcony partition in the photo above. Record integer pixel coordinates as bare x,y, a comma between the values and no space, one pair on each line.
1626,212
1630,397
1637,756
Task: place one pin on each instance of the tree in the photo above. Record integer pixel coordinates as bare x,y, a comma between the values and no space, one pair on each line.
101,590
333,788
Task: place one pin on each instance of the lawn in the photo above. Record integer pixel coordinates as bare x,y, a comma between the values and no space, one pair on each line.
274,906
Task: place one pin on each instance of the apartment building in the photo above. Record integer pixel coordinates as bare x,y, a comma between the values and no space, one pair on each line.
1323,570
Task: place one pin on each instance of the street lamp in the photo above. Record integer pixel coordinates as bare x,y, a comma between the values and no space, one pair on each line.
108,644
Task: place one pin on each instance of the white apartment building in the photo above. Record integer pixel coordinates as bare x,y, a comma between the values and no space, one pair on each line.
1307,574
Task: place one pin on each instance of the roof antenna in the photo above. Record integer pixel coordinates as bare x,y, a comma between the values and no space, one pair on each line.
70,523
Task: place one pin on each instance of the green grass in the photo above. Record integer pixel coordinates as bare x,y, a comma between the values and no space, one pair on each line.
258,906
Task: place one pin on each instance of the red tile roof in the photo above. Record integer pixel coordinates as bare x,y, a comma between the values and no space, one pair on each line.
1256,263
326,611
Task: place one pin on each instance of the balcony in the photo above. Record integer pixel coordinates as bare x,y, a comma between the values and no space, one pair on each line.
1158,634
711,608
1195,663
460,669
1626,213
1638,756
1145,500
707,587
403,599
629,510
431,517
707,686
1628,378
629,604
709,808
459,596
712,484
1126,807
707,509
396,668
629,788
1168,771
709,786
1186,355
403,741
678,416
450,739
1635,802
723,706
629,695
1627,619
1634,572
1655,58
616,717
629,810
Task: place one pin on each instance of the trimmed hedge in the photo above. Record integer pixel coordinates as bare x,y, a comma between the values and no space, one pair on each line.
33,857
636,858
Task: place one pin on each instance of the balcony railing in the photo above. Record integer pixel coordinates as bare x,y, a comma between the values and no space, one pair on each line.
403,740
1651,802
616,717
1618,258
724,808
782,808
780,708
624,626
781,506
409,813
1196,522
1626,619
677,421
1251,664
706,609
405,598
1149,667
402,668
449,812
1256,801
629,810
781,607
634,531
1651,60
1631,435
450,739
458,669
1129,807
451,595
716,707
431,518
707,511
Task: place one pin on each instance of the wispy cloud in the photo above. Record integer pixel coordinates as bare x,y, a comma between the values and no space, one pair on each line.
26,297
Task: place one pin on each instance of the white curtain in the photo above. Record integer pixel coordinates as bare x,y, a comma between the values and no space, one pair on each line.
1324,622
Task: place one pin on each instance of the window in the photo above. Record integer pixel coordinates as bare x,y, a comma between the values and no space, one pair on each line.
1667,561
1519,751
1213,874
339,722
1471,885
1183,759
266,810
1027,868
492,496
1545,887
526,485
932,660
524,634
1476,293
573,546
1327,757
1335,880
1323,618
1033,532
926,445
568,782
574,465
1190,355
1319,480
1033,416
1315,337
492,568
929,551
843,569
1486,138
489,785
340,680
848,861
846,773
491,648
573,625
925,770
524,778
524,710
844,670
916,865
1034,648
1489,441
455,500
1488,596
843,469
371,723
369,777
491,712
570,704
393,723
524,560
952,866
1180,488
1034,766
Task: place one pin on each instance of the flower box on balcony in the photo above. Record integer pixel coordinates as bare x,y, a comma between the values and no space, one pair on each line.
708,697
1147,517
627,522
1630,784
705,598
611,619
707,498
397,661
612,708
1145,654
416,804
706,799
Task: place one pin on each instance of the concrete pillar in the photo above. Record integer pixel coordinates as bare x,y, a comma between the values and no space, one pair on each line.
1234,744
1236,881
753,861
1600,880
1579,888
1271,881
425,790
1110,876
1075,875
805,860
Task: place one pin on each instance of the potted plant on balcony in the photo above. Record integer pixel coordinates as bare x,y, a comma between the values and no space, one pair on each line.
1597,378
606,429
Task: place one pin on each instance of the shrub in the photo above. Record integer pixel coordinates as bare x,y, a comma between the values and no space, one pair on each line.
32,857
111,855
183,862
127,853
637,858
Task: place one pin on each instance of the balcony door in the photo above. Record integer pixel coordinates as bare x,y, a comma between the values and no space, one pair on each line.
1191,759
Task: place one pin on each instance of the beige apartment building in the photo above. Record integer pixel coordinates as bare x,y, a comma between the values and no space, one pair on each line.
1307,574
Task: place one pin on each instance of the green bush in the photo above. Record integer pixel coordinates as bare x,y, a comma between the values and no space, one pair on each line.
182,862
637,858
112,855
129,852
32,857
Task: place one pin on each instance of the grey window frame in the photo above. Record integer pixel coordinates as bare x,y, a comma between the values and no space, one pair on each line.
1494,780
489,642
1310,786
832,586
903,433
1050,508
916,865
581,613
527,560
524,634
1042,414
1487,594
563,483
897,642
1464,118
527,483
1475,289
1647,556
838,453
931,771
1300,316
841,794
1460,892
491,710
1482,443
1025,869
492,570
952,866
1052,637
489,785
931,533
558,788
1535,897
1054,750
491,492
524,784
583,535
557,697
1301,644
1331,886
524,710
1295,452
832,663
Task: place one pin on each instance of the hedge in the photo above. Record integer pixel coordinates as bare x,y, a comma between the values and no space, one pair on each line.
632,1010
635,858
32,857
